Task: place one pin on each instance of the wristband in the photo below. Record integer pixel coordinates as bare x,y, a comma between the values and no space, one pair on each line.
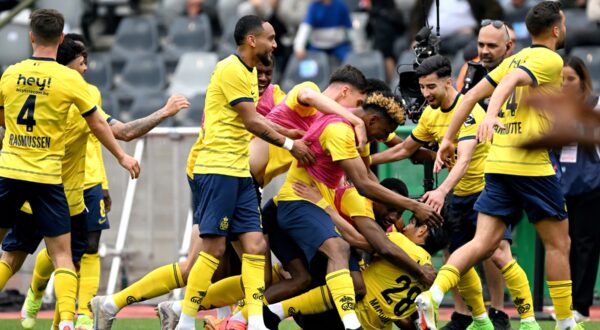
288,144
322,203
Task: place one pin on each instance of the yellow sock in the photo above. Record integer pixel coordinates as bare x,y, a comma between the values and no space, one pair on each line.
156,283
198,283
65,288
6,273
56,318
447,278
89,280
560,292
41,273
518,285
470,290
225,292
314,301
340,285
253,270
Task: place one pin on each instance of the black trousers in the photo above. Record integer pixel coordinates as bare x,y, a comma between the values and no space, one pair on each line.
584,229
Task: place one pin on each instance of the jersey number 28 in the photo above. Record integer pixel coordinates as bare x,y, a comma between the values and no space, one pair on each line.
403,304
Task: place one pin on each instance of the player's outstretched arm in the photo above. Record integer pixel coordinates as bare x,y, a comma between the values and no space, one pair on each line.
435,198
326,105
482,90
349,233
398,152
100,128
506,87
136,128
259,128
357,172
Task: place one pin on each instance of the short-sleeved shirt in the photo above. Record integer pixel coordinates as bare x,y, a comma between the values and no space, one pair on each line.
36,95
523,123
391,291
224,147
75,160
433,125
332,140
95,173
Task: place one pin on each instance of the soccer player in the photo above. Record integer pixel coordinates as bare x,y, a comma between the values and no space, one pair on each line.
21,240
465,180
33,147
270,95
228,203
332,139
515,178
390,290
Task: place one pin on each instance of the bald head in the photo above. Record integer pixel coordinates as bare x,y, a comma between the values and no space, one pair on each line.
492,45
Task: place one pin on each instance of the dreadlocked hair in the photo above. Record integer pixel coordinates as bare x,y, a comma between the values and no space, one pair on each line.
386,103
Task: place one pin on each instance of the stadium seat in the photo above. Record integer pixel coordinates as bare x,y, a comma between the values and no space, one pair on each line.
110,105
591,57
72,10
192,117
142,75
314,67
188,35
99,71
370,63
193,73
144,105
16,47
136,35
576,19
353,5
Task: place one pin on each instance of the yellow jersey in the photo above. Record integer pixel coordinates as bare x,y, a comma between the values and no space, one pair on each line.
224,147
391,291
521,122
337,142
36,95
433,125
95,173
74,162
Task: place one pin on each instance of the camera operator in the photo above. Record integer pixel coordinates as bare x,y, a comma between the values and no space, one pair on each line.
495,42
465,180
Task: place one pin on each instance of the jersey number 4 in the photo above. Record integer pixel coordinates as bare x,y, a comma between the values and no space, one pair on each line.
26,114
403,304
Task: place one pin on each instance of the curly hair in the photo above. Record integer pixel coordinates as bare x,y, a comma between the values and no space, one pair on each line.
387,104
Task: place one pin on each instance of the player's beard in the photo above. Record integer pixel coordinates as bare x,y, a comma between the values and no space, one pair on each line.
560,43
265,59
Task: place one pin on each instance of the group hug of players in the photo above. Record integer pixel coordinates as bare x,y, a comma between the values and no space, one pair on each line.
329,206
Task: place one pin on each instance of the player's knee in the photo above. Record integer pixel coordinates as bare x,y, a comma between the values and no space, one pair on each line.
14,260
559,245
336,248
299,283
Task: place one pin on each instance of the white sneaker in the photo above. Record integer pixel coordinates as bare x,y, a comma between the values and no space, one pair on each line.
166,314
579,317
103,320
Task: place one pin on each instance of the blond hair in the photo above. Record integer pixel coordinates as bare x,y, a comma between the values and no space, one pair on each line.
387,103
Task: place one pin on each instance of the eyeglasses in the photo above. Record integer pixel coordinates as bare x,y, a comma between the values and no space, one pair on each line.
496,23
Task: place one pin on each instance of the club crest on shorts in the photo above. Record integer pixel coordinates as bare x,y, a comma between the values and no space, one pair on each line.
224,224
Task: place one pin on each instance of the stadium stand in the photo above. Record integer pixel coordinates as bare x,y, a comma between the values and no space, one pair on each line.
370,63
193,73
314,67
14,39
99,71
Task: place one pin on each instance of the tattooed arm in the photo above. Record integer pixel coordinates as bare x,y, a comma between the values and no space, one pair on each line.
136,128
257,126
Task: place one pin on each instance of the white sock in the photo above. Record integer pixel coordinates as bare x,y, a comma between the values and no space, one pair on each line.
186,322
110,306
437,294
528,319
277,309
66,325
176,307
256,322
223,312
566,324
351,321
239,316
481,317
